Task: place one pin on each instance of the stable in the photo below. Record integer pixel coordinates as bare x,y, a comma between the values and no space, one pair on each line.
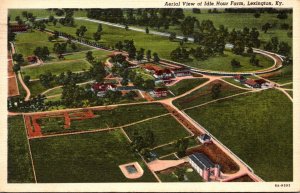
204,166
159,92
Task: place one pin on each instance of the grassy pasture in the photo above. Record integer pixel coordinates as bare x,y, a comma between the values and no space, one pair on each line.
256,128
203,95
56,68
165,129
93,157
186,85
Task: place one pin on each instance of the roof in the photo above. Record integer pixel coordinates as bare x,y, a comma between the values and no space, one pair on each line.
239,77
202,160
251,82
102,86
160,90
260,81
180,69
205,137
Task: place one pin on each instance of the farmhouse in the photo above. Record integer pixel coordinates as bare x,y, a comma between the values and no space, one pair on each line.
159,92
204,138
204,166
102,88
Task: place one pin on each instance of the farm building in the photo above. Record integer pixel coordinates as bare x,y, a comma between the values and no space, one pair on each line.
18,27
204,138
159,92
32,59
181,71
204,166
239,78
158,72
255,83
102,88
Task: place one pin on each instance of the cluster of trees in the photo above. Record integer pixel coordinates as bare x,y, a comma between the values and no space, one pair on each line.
181,145
254,61
235,63
274,45
34,104
180,54
68,20
97,34
54,36
142,142
143,17
81,31
42,52
19,60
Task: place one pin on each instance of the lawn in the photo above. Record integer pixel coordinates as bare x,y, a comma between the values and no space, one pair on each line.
170,148
85,158
56,68
143,73
100,55
223,63
186,85
288,86
204,95
26,43
169,175
51,124
54,91
19,163
165,129
36,87
256,128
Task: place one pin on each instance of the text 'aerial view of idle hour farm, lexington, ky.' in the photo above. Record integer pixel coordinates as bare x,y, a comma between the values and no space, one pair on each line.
150,95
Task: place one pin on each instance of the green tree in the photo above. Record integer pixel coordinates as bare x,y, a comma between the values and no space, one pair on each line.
89,56
97,36
216,90
26,79
156,57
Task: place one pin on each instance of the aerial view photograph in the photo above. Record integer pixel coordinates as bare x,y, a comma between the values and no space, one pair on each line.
131,95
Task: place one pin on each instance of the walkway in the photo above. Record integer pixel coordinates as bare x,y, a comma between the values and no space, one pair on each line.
159,165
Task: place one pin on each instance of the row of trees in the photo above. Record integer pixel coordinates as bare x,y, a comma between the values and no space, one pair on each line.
274,45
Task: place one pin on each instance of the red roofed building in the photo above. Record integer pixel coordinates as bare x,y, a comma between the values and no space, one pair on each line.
32,59
18,28
165,73
159,92
102,88
252,83
239,78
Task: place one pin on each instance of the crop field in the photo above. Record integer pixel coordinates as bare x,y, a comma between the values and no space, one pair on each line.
223,63
256,128
186,85
19,164
204,95
56,68
86,158
165,129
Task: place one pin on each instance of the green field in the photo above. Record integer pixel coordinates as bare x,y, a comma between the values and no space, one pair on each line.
204,95
19,163
55,91
288,86
232,81
40,13
256,128
165,129
86,158
56,68
223,63
285,75
27,42
186,85
99,55
143,73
